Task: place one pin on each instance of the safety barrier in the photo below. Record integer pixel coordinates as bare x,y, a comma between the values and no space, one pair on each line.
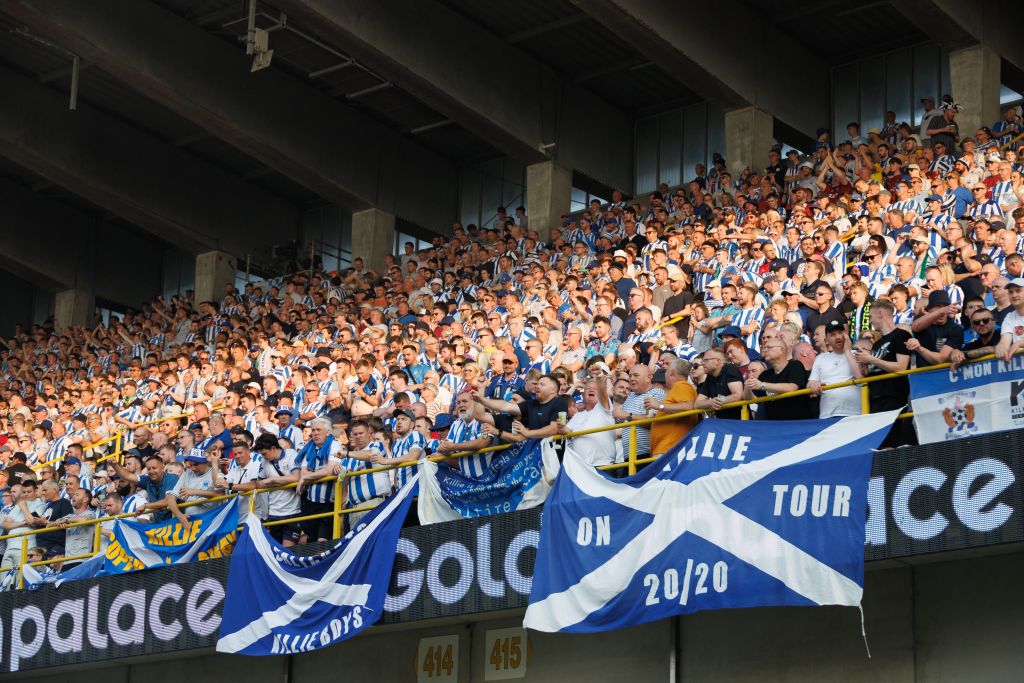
631,464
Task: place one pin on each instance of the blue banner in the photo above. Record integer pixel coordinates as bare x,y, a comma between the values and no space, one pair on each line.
976,398
516,478
278,602
738,514
137,545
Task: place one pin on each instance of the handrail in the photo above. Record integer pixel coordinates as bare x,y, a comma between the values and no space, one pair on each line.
1012,141
118,433
631,464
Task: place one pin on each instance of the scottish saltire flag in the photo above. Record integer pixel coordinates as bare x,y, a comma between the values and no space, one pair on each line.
738,514
278,602
976,398
517,478
137,545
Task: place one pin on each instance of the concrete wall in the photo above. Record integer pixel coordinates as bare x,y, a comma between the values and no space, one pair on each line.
945,621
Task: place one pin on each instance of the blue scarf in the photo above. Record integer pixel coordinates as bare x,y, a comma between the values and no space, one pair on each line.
310,447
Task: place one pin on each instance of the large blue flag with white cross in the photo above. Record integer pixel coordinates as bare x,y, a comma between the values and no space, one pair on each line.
280,602
738,514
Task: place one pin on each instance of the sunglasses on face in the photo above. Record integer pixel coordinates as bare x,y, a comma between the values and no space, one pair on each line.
979,323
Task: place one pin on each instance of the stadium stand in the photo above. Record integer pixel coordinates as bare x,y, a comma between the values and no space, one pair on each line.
791,291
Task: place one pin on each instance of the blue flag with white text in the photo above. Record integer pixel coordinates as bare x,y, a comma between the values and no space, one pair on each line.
139,545
738,514
278,602
516,478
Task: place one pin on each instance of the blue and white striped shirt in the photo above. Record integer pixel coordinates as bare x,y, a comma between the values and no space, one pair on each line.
746,316
368,486
471,465
314,457
401,448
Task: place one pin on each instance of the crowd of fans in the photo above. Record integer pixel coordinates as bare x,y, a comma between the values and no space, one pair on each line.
875,252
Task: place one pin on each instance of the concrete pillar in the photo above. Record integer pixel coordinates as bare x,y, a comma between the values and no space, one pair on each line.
73,307
548,196
974,75
748,137
373,237
214,269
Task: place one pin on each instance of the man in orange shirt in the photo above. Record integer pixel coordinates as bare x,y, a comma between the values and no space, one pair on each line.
681,395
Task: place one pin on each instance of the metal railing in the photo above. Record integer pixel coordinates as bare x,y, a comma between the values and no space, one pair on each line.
631,463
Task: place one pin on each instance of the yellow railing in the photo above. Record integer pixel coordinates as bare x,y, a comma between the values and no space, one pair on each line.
1009,143
631,463
116,436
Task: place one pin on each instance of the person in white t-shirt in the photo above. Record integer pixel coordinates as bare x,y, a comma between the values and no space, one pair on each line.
1013,324
834,366
599,448
245,477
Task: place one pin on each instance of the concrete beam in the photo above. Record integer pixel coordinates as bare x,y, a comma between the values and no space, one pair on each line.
957,24
343,155
73,307
548,196
214,269
132,174
737,73
41,240
493,89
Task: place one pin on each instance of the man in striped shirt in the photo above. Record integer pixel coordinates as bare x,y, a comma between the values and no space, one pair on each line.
366,490
409,446
320,457
465,434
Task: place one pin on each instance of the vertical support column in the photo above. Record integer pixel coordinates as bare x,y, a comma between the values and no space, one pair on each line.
974,75
748,137
73,307
373,237
214,269
548,196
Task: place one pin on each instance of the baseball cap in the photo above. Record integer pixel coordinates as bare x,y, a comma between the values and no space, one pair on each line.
788,287
676,276
194,458
284,411
72,461
437,281
731,331
934,198
937,298
40,409
1016,282
834,325
714,283
407,413
442,421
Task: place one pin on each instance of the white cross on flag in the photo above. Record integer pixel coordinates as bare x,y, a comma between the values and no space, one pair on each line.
278,602
738,514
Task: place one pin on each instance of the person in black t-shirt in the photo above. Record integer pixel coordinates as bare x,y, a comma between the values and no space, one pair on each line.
723,384
824,312
534,418
57,508
888,354
782,374
937,335
983,322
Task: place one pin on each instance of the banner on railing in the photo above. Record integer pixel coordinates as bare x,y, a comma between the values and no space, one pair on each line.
738,514
976,398
516,478
137,545
279,602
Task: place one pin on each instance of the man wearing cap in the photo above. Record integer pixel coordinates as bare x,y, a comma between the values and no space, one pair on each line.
936,333
1013,322
197,483
409,446
287,430
833,366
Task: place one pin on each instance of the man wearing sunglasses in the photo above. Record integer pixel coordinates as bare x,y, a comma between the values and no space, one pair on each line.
983,323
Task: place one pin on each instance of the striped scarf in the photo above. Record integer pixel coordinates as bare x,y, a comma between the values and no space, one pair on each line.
862,323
